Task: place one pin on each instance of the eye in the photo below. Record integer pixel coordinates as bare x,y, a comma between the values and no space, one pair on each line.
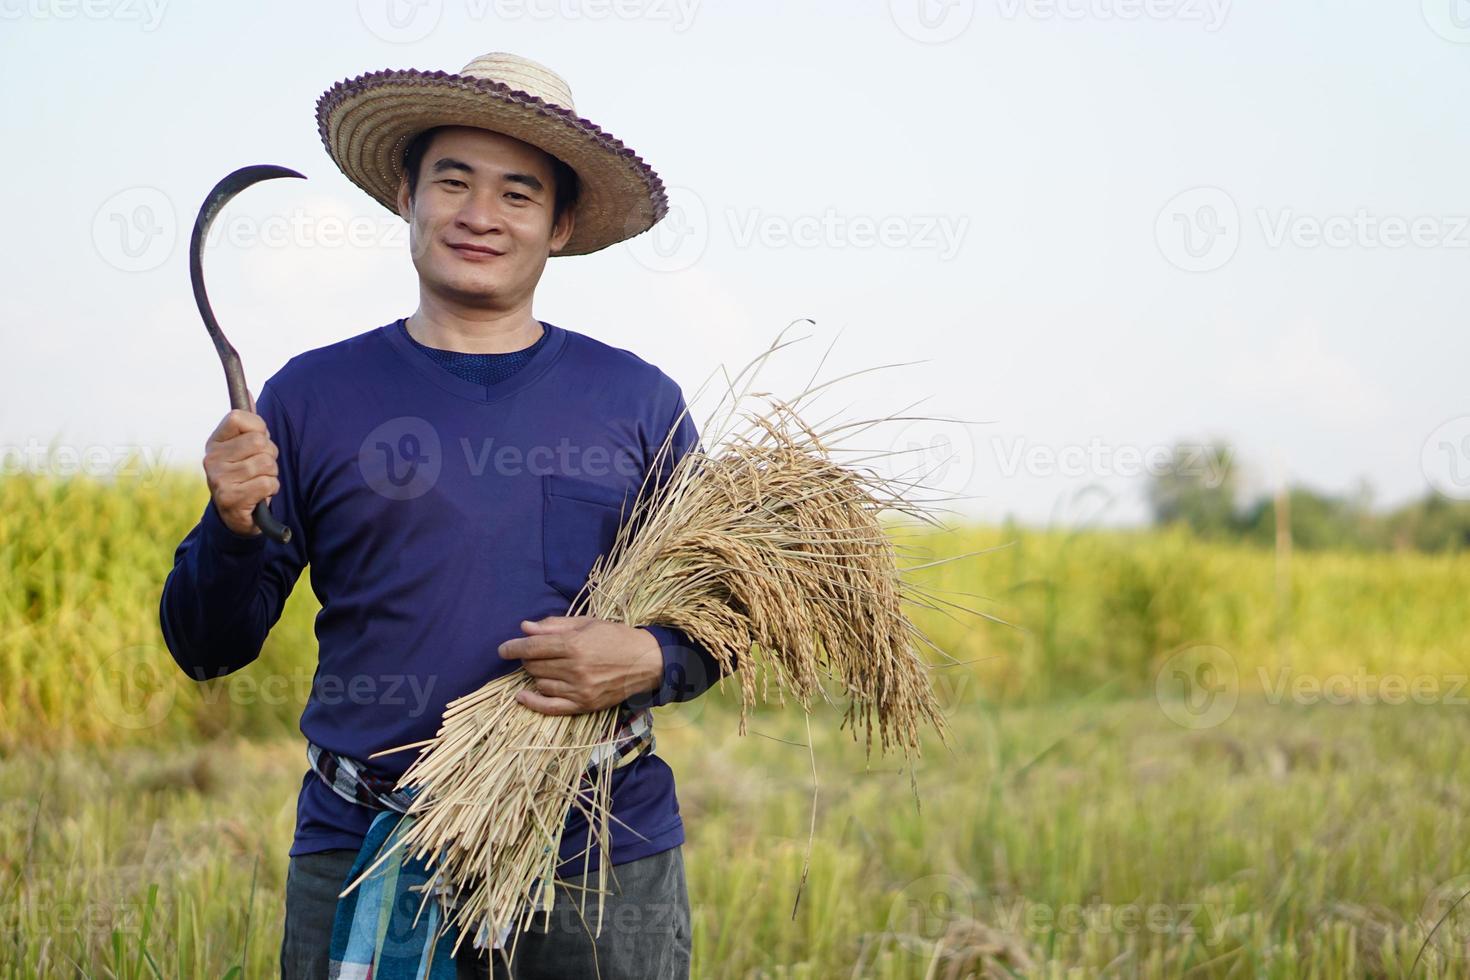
517,194
451,180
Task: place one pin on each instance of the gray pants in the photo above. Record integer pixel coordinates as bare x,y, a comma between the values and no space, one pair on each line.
645,925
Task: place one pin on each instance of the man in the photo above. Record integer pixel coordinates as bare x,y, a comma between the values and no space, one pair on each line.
451,477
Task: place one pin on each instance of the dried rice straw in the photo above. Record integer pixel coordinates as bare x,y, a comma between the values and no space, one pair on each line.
765,550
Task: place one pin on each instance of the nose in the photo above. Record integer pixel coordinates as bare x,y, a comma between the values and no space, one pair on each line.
480,214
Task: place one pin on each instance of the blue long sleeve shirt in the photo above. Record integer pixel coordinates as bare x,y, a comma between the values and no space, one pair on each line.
437,512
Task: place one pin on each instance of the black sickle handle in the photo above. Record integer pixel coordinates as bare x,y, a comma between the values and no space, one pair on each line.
234,373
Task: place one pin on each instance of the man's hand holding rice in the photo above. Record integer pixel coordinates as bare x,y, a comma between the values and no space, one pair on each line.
583,663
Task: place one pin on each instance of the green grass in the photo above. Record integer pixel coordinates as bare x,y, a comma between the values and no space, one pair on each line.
1078,830
1109,607
82,661
1099,839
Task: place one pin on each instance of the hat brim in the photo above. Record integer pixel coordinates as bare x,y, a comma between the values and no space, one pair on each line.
366,122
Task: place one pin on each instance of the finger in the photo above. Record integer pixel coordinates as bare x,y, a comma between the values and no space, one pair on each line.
259,464
546,666
248,444
236,436
551,624
546,705
552,687
262,487
236,421
532,648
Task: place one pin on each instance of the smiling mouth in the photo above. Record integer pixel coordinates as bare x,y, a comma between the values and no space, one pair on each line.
472,252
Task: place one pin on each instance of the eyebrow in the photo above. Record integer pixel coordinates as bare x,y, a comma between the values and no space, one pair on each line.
446,164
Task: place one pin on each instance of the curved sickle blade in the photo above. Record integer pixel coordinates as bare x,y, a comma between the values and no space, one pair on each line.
234,373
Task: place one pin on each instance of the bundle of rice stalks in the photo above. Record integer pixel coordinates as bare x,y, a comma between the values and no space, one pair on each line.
766,550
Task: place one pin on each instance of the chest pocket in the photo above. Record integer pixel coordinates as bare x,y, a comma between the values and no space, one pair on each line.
579,520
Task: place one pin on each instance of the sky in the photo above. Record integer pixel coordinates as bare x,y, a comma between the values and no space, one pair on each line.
1088,229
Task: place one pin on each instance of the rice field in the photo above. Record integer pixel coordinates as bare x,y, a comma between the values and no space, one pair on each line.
1177,760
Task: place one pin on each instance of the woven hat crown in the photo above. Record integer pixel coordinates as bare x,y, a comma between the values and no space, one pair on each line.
522,74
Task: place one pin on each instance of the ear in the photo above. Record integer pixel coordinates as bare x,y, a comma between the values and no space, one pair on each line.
563,230
405,210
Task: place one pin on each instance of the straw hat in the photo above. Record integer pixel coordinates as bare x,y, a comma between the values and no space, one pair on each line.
366,123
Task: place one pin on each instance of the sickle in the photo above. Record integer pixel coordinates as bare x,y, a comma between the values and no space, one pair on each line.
234,373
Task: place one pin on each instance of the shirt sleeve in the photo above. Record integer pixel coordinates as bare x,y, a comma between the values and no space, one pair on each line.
689,668
226,590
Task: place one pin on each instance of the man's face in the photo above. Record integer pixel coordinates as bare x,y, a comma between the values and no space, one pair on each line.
488,190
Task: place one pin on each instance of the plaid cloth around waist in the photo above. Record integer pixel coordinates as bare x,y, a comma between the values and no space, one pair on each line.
355,782
374,910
